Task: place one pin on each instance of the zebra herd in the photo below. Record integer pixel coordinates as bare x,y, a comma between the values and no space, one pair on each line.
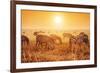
48,41
76,44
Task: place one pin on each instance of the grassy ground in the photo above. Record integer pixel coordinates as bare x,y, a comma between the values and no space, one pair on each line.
61,52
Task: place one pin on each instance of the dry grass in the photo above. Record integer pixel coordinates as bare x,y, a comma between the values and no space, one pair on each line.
60,53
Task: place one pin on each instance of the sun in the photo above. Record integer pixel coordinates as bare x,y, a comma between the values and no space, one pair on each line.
58,22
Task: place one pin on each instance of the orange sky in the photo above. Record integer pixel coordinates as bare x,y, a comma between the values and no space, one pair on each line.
55,20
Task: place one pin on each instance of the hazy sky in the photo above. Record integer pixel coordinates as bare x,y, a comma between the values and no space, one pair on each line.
55,20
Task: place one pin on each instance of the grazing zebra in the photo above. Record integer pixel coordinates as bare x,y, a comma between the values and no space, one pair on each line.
24,40
66,37
56,38
25,47
72,44
44,39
